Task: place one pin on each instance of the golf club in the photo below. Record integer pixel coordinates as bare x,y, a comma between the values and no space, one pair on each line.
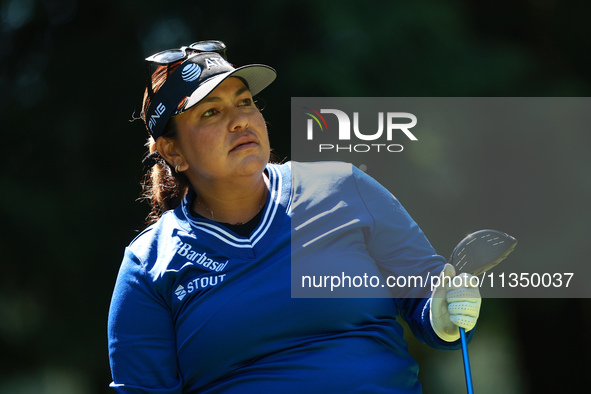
476,254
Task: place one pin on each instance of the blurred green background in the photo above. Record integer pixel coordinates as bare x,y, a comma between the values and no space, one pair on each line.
71,79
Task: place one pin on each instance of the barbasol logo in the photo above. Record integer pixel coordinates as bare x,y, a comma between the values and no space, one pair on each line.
190,72
185,250
389,125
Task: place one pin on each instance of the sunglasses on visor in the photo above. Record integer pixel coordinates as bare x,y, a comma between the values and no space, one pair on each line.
171,56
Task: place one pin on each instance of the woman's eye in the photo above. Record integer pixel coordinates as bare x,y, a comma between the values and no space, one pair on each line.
208,113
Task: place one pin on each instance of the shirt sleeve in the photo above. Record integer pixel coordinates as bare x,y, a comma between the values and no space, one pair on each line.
142,346
401,249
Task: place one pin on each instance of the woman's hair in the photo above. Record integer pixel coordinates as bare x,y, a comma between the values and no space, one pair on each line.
162,187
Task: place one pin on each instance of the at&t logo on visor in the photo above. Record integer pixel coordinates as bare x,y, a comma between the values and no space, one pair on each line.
191,72
395,123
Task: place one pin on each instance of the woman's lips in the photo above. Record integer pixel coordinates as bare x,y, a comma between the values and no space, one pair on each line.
244,146
245,142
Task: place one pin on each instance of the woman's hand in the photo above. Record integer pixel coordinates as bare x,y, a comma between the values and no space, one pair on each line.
455,303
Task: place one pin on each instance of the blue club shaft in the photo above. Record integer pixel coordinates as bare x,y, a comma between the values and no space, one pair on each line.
467,371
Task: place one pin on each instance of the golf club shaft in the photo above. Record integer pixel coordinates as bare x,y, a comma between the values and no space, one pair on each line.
477,253
467,370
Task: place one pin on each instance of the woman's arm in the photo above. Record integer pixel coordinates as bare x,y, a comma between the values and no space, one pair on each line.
142,345
402,250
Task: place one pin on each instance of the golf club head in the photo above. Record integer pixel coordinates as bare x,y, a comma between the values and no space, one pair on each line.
481,251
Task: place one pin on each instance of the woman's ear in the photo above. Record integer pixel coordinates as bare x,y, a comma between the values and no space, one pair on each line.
168,150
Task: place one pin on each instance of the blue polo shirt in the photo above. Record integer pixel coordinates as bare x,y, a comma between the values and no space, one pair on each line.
198,308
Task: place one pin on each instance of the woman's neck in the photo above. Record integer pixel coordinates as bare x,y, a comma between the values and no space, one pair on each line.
233,204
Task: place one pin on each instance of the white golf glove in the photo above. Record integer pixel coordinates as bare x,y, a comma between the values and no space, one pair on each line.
454,305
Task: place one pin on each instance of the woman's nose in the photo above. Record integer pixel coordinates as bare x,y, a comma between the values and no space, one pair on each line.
238,120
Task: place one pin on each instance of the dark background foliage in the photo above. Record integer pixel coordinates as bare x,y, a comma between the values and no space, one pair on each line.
71,79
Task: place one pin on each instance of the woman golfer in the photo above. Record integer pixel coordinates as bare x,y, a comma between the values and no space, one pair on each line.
232,288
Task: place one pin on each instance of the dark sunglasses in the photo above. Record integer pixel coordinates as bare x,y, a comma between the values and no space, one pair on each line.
171,56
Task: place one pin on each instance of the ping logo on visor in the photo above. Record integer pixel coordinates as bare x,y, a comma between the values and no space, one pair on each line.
157,113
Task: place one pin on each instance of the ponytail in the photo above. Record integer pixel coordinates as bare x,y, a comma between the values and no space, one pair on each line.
162,186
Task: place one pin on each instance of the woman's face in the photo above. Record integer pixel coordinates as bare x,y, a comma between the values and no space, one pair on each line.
223,136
